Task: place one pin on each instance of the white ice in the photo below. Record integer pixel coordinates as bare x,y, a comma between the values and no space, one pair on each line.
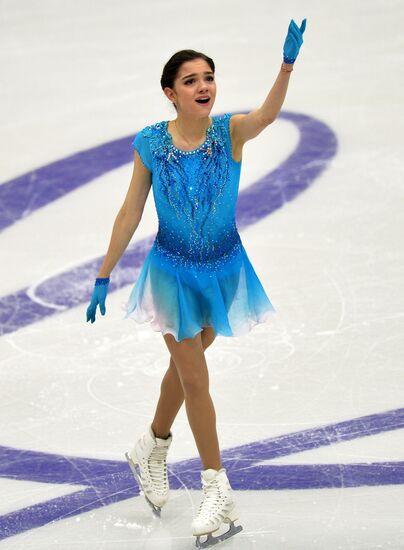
77,74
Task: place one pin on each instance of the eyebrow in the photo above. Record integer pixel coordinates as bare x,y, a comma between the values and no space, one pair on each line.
194,74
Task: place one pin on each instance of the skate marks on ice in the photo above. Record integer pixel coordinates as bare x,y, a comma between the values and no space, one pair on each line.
25,194
102,482
108,481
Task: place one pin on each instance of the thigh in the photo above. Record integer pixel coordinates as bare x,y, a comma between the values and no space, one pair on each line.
189,359
207,335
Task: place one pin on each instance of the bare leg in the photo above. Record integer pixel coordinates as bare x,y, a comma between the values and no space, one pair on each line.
172,394
189,359
169,403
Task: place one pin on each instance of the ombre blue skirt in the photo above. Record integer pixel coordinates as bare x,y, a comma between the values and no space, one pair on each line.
182,301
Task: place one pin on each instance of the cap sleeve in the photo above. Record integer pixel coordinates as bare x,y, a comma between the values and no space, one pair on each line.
141,145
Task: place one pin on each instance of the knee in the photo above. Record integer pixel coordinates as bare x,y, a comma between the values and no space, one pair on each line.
194,384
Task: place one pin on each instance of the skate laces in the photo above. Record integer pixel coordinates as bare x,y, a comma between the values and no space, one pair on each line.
212,500
157,466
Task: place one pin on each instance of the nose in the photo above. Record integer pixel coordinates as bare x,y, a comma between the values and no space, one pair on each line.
204,86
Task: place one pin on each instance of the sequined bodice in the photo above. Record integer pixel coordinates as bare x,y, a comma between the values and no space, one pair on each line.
195,194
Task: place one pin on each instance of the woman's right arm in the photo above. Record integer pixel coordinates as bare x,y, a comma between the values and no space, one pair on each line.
128,217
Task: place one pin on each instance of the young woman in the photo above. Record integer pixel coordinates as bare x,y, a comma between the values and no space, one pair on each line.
196,281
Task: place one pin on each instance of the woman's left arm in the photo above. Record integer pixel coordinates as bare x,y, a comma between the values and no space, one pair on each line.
246,127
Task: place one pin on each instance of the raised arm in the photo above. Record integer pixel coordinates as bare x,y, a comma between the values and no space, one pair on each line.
245,127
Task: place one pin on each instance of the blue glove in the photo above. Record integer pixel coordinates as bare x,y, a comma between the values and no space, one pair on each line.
98,297
293,41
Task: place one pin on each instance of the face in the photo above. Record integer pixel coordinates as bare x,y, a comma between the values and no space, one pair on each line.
188,88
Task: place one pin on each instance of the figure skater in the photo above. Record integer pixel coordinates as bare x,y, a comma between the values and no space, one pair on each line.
196,281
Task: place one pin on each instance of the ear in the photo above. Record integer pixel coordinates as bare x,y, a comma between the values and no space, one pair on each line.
170,94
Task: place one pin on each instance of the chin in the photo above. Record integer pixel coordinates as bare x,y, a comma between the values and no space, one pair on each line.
205,112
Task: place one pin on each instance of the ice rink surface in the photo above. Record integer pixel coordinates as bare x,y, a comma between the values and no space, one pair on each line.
310,405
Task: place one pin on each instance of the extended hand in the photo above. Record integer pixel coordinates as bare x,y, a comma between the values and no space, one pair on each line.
293,41
98,298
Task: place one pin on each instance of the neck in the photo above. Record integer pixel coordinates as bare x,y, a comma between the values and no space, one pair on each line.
192,129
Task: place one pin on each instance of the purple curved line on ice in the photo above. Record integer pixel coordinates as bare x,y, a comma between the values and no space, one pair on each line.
109,481
316,147
25,194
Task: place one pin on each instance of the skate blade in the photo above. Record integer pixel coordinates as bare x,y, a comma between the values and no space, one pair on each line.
211,540
132,465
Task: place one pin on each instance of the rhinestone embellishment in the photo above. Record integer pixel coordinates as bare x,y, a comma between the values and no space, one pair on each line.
188,186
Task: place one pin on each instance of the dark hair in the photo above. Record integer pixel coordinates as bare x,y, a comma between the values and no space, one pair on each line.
172,66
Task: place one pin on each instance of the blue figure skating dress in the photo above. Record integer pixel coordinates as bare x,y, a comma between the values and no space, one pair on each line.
197,272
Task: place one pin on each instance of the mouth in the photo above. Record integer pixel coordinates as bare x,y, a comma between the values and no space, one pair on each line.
203,101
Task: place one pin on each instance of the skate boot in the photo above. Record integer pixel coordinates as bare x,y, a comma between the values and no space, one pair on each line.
217,507
147,460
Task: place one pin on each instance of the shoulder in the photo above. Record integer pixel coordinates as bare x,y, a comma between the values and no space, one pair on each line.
152,129
222,124
222,120
149,135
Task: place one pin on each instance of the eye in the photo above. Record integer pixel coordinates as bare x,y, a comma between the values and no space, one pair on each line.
192,79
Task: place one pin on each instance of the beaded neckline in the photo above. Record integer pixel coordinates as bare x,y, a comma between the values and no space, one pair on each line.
192,151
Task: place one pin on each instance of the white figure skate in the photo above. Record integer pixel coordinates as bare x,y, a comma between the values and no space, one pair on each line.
217,507
147,461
